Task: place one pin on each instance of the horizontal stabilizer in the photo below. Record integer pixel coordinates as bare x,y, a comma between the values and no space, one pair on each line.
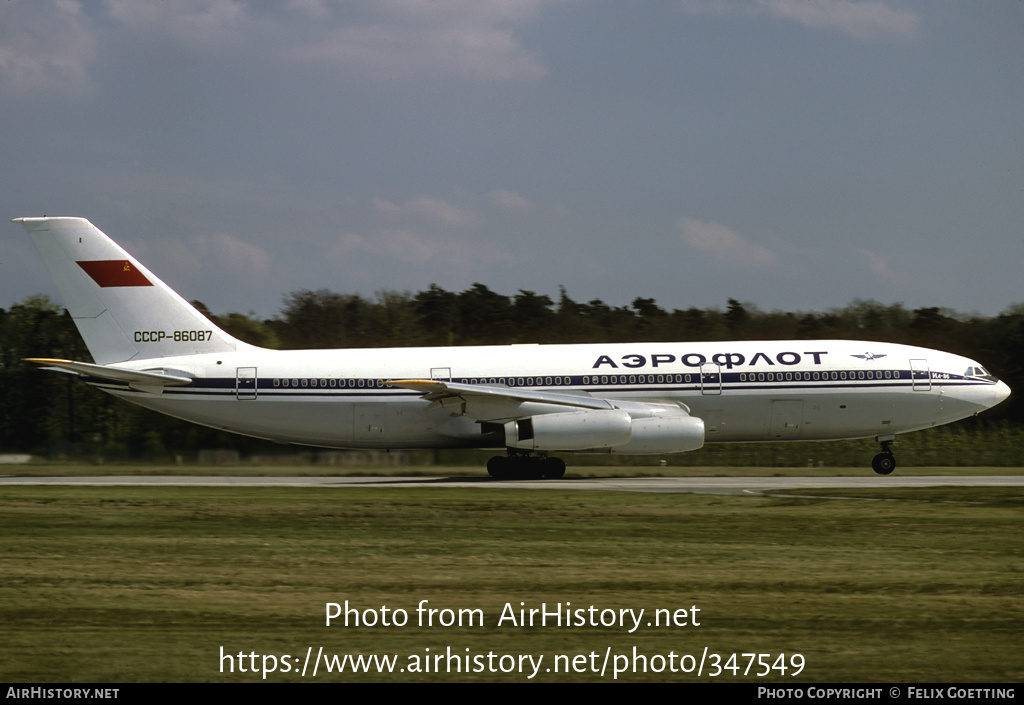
135,378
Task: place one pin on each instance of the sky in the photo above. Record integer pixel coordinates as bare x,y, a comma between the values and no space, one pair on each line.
795,155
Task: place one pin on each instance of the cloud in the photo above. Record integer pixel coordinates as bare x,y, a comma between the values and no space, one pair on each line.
375,40
438,210
716,8
725,243
865,20
45,47
212,255
425,208
860,20
510,200
382,205
404,53
425,229
403,40
410,246
876,263
239,256
188,22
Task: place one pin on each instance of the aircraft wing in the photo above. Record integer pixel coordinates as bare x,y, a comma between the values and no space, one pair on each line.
493,402
144,381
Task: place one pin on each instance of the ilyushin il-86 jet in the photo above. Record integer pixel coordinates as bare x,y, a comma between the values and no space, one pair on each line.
152,348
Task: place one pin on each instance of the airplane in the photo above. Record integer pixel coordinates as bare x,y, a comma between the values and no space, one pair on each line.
152,348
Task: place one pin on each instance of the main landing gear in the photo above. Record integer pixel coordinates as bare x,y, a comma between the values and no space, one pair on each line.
523,466
885,462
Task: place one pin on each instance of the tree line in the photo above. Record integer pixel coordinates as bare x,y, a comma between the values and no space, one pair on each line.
53,414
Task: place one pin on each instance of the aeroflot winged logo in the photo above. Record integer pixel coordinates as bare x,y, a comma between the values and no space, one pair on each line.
114,272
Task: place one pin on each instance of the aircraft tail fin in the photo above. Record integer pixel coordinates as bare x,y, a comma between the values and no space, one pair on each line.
121,309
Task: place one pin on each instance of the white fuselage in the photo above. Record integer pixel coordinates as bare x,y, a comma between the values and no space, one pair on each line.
153,348
743,391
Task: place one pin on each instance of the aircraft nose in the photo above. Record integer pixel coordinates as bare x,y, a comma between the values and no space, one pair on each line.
1001,391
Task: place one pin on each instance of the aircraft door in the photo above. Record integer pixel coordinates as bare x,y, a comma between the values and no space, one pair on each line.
710,379
245,383
920,375
443,374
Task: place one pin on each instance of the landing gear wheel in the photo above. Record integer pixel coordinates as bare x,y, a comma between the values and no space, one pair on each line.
553,468
883,463
499,467
521,466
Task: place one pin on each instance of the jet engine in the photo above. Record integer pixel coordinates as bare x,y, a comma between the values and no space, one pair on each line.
606,431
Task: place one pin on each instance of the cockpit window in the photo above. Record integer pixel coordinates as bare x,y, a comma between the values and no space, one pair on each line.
980,372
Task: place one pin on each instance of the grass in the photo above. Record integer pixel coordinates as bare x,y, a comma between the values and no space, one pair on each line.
125,584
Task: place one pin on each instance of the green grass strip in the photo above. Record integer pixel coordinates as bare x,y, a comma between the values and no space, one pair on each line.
126,584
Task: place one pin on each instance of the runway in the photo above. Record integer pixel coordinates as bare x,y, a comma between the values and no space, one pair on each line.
706,485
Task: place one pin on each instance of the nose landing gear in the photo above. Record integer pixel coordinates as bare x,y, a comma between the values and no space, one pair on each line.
885,462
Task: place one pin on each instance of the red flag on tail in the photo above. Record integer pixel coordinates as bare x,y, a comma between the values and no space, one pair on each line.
114,272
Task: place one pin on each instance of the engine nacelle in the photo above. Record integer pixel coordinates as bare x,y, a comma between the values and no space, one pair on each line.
573,430
611,430
664,434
